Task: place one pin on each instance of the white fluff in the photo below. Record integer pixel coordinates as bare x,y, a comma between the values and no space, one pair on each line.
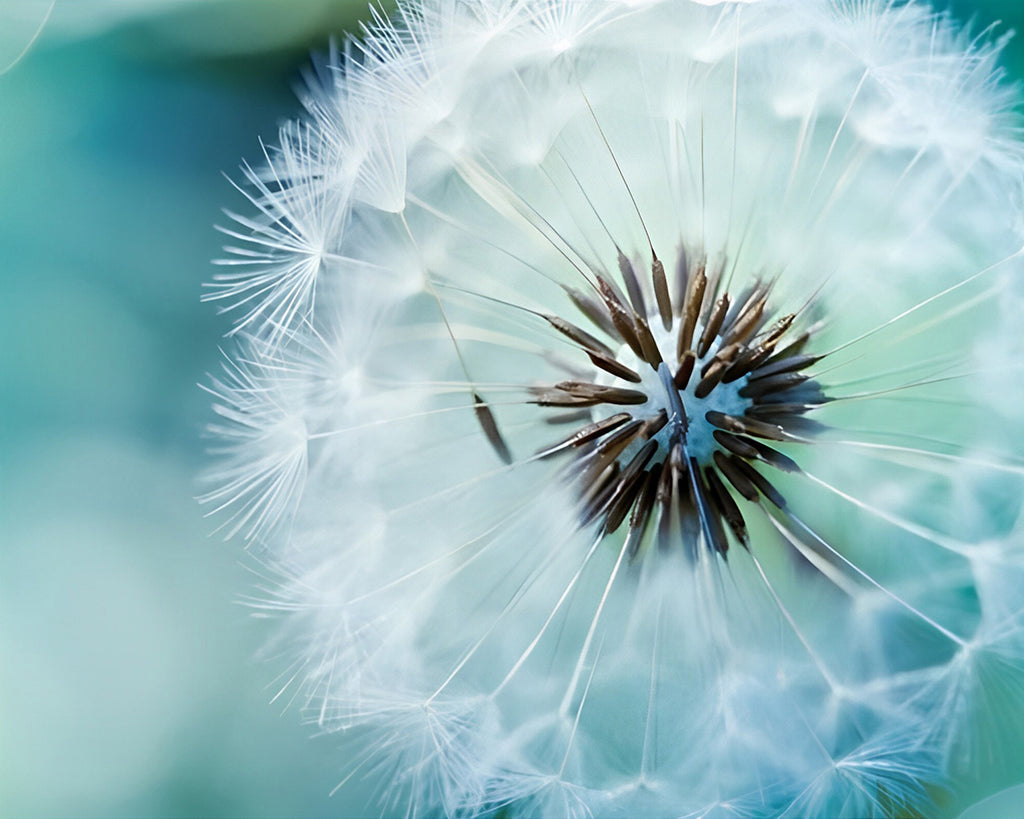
469,154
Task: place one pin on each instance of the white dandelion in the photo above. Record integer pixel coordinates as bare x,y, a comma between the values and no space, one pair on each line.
628,408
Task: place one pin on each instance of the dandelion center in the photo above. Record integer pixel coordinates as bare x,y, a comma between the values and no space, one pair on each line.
687,411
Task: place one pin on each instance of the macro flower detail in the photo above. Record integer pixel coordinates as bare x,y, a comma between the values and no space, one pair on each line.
626,408
733,383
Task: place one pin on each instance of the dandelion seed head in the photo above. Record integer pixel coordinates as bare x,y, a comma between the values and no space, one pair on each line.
623,406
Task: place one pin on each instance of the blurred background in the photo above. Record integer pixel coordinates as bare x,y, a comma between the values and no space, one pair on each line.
130,677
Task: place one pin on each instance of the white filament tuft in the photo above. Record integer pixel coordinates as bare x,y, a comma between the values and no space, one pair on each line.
623,406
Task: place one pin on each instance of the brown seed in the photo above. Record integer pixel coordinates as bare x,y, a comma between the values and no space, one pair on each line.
748,360
651,353
793,348
489,424
588,433
628,486
751,296
712,378
691,310
746,324
655,425
580,336
726,506
610,365
623,501
610,448
636,295
621,317
726,355
743,447
601,393
757,387
593,310
778,330
740,304
746,426
661,295
789,364
773,457
763,485
711,523
641,515
558,398
713,326
682,376
776,413
735,476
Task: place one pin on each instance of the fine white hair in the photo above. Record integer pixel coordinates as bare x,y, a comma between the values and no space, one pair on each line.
853,644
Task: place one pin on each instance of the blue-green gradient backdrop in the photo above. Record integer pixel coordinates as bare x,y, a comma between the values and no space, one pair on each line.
130,676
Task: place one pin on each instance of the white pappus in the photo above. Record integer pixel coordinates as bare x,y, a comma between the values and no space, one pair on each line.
626,405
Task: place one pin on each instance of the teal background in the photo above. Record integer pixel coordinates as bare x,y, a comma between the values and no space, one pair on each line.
130,676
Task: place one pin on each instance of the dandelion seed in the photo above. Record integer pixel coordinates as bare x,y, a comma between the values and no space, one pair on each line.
620,401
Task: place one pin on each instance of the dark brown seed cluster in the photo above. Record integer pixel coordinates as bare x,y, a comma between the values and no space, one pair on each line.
632,454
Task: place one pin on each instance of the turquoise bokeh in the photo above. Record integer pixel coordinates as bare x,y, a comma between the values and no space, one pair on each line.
129,677
130,682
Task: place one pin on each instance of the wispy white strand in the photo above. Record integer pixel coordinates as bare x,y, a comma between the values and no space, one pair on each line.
470,174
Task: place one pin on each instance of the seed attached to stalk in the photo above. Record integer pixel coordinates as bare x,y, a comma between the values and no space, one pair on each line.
688,450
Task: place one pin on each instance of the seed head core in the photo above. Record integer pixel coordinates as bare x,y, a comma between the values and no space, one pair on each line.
678,417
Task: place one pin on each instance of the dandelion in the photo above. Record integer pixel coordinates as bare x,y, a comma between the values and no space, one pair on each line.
627,408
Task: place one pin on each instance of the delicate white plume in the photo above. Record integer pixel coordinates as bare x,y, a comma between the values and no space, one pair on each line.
464,173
